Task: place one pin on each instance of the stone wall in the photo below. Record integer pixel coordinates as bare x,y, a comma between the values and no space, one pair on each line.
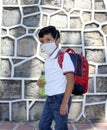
83,26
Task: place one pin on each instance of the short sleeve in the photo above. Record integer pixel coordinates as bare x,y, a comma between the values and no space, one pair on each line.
67,64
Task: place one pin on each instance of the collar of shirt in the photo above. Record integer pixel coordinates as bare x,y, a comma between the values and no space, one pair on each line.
54,55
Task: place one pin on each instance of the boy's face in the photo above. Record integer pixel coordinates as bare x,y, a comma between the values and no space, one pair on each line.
47,38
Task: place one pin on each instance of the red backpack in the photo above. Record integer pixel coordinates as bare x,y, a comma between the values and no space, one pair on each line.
81,70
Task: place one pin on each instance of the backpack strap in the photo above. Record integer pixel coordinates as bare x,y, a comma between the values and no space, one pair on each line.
60,57
69,50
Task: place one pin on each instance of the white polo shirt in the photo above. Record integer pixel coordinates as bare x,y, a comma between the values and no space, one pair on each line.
54,74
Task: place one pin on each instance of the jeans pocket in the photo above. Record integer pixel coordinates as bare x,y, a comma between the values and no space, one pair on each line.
59,98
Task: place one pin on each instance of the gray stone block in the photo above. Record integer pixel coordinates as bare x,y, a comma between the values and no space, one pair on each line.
73,38
17,31
26,46
36,111
19,111
95,112
29,2
102,69
95,55
91,85
10,89
5,68
95,98
11,17
31,90
4,111
29,69
32,21
93,39
101,84
7,46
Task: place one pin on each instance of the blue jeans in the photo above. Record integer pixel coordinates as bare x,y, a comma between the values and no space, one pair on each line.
51,112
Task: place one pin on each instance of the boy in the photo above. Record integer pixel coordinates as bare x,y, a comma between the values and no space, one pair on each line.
59,81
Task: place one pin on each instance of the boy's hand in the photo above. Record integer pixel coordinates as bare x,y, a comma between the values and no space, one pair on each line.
64,109
41,83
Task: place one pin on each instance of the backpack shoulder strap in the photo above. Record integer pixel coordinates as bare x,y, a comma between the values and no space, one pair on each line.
70,50
60,57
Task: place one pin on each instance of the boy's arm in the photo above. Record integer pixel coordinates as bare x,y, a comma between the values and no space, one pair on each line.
68,91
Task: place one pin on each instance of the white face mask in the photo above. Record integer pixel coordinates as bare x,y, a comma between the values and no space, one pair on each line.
48,48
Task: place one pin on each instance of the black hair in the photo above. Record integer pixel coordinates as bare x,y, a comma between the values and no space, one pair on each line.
49,30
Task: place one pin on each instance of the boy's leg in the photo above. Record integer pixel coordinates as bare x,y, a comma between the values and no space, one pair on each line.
46,118
61,122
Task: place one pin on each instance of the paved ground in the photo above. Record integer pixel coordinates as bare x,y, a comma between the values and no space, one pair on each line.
80,125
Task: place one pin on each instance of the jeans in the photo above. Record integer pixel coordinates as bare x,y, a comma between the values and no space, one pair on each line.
51,112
